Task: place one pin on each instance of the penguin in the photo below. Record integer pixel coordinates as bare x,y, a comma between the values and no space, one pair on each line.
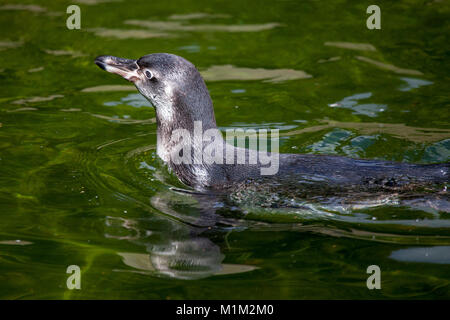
181,100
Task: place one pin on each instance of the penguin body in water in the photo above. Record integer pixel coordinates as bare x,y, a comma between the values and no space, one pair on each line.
181,99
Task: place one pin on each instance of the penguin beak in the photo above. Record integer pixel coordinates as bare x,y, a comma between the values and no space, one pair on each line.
126,68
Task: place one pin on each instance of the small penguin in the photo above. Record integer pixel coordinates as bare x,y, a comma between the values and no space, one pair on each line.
181,99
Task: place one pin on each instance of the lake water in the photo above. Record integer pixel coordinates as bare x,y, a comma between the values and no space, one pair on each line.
80,183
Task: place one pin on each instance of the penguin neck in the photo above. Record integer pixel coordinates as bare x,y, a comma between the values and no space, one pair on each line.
175,128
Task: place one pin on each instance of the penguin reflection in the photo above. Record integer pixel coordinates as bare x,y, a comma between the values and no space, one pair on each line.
176,243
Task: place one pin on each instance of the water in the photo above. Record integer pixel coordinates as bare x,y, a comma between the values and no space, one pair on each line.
80,183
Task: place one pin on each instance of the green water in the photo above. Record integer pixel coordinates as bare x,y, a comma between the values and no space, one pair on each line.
80,183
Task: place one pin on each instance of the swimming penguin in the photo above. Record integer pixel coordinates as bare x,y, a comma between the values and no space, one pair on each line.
181,100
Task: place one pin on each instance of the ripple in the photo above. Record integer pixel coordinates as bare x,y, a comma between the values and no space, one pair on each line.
399,130
38,69
352,46
129,33
24,7
390,67
23,109
110,88
73,54
198,15
368,109
230,72
330,142
16,242
329,59
438,254
124,120
178,26
94,2
413,83
134,100
10,45
37,99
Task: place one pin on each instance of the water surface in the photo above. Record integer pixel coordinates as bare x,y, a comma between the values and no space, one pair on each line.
80,183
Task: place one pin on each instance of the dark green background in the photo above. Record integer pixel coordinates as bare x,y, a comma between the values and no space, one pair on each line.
73,187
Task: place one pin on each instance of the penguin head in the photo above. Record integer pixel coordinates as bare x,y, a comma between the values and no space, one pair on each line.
171,83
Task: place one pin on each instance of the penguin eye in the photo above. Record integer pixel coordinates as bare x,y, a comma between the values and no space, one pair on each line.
148,74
